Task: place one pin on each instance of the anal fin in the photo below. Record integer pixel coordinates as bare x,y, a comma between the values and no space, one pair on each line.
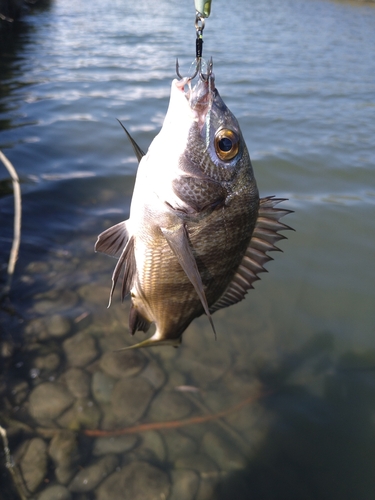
263,240
137,322
178,240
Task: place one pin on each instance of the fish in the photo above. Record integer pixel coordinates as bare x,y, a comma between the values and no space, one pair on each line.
198,234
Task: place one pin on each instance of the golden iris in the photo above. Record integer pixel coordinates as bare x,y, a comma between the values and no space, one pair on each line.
226,144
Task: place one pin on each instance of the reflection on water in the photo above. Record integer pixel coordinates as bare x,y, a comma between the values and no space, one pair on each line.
281,406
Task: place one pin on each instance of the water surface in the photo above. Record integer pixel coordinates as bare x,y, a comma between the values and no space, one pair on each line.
299,76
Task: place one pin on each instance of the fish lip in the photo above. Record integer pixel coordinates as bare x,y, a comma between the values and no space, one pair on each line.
202,93
200,97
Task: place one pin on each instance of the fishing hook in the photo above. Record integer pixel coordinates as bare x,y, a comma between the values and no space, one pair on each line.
199,27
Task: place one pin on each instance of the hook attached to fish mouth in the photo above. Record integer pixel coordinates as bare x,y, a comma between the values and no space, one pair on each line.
198,70
199,27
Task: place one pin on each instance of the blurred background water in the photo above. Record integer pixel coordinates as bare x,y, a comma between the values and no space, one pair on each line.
300,77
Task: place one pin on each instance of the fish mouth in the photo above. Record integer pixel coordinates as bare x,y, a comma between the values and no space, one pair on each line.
201,95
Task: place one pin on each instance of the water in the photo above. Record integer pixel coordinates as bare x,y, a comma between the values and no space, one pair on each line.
299,76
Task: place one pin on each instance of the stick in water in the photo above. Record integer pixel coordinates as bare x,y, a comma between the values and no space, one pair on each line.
17,222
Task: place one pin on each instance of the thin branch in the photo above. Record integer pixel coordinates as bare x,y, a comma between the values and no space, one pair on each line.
173,424
9,463
17,222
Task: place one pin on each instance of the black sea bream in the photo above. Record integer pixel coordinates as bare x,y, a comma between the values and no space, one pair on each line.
197,234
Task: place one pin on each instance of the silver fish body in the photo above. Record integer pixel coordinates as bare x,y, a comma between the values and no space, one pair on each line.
198,233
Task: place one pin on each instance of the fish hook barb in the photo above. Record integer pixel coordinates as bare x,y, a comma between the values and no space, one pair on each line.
198,69
199,27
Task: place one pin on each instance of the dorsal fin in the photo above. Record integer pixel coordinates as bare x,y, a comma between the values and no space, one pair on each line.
126,263
137,150
264,236
113,241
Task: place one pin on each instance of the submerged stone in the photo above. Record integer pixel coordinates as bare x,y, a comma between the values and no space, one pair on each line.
102,387
55,301
78,382
80,349
118,444
198,462
154,442
57,325
63,450
169,406
55,492
122,363
83,414
179,445
154,374
130,399
136,481
185,484
48,400
33,463
89,477
204,367
48,363
225,453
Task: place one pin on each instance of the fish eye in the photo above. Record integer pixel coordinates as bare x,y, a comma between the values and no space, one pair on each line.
226,144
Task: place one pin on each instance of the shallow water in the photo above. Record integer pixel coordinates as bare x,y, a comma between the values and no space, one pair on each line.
299,76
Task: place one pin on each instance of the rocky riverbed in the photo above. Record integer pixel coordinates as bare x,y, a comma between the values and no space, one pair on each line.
67,376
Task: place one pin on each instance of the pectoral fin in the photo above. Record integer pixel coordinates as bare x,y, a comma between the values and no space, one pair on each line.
113,241
264,236
127,264
178,240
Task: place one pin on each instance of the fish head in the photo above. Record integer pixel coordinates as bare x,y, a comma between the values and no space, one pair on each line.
199,135
215,141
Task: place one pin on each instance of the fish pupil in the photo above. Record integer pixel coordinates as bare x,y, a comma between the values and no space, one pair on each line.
225,144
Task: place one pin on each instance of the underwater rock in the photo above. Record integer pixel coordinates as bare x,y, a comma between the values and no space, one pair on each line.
48,363
19,390
130,399
80,349
112,341
169,406
83,414
78,382
97,294
154,442
36,329
55,492
204,367
48,400
57,325
122,363
37,267
63,450
102,387
225,453
136,481
198,462
55,301
179,445
207,485
89,477
154,374
185,484
118,444
33,463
